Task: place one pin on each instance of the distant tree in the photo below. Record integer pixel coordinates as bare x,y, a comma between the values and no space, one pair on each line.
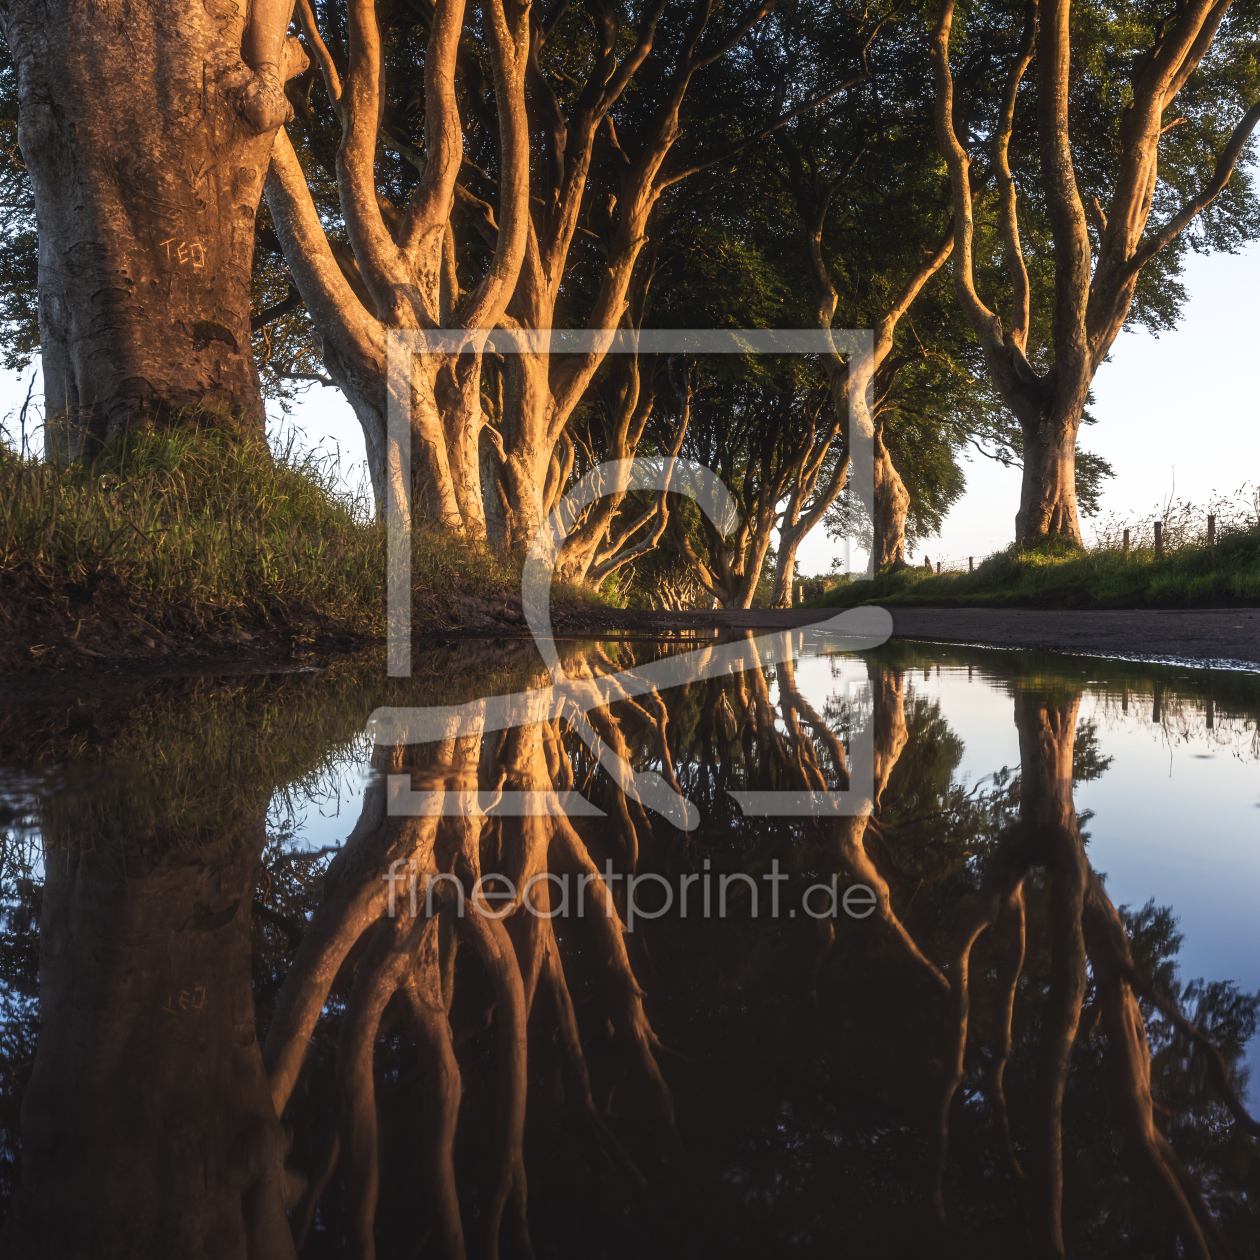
845,192
771,442
1072,105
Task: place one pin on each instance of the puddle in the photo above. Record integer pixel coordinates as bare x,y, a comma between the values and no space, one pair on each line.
619,968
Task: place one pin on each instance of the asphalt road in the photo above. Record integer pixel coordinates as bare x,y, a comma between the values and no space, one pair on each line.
1221,637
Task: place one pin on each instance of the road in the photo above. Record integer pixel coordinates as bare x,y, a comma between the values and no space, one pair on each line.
1219,637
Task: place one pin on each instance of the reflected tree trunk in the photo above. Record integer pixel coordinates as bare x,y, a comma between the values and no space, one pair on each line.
168,1144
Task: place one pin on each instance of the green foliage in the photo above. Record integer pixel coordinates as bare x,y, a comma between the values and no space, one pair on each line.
19,302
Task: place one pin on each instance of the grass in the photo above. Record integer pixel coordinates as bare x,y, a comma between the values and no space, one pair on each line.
1060,576
196,521
188,531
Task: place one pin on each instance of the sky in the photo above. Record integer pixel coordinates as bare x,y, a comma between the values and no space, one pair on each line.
1176,409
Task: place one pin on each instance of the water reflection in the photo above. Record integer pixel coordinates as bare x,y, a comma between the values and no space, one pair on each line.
588,1030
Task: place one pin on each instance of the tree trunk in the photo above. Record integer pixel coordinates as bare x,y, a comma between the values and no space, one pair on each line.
146,136
785,570
1091,303
1047,496
748,575
892,504
527,413
148,1128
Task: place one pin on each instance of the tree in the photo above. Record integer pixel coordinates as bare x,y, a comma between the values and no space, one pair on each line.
856,385
847,189
771,437
1105,113
526,175
146,140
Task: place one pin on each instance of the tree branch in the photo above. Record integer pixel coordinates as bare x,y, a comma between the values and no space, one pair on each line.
291,303
1196,205
1015,267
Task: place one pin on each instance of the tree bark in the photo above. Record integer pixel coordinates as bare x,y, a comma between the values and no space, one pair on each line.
146,137
892,505
1047,494
399,271
784,571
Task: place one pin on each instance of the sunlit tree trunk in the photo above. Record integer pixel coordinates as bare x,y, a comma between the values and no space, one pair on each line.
892,506
1093,290
400,270
784,571
146,136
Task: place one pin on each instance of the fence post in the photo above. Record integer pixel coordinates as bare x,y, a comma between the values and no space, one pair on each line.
1211,530
1159,540
1126,542
938,566
800,594
971,564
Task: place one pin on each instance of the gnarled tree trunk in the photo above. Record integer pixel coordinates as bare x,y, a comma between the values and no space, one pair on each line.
892,505
146,134
1093,288
1047,493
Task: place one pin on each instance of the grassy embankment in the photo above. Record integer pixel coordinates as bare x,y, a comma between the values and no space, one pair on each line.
1057,576
192,537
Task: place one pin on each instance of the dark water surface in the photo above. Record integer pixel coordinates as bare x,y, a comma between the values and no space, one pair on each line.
979,977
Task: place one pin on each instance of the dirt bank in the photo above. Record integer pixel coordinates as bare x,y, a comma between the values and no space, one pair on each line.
1227,638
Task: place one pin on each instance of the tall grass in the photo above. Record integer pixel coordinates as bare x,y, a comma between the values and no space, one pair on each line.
183,529
193,519
1189,573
